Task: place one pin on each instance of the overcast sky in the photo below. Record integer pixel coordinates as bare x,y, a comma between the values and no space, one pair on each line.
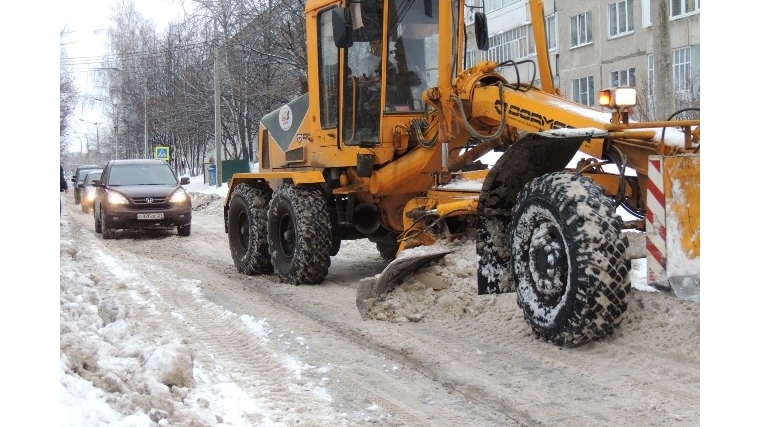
88,21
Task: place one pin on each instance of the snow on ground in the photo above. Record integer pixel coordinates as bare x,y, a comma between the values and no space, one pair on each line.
163,371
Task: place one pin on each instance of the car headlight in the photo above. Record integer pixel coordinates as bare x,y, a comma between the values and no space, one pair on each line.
90,194
117,199
178,197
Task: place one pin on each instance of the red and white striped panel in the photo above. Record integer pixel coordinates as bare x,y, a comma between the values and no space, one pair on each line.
655,225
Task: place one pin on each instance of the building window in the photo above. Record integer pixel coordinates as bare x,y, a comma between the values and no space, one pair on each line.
646,13
472,58
492,5
679,8
621,17
682,69
623,78
648,109
551,35
513,44
580,29
583,90
551,32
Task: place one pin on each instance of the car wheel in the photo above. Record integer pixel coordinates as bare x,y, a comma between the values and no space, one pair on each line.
299,234
183,230
571,276
247,229
98,225
108,232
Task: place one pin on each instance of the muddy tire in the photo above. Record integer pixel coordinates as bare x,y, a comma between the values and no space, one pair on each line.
108,232
183,230
387,250
247,229
570,274
299,235
335,246
98,225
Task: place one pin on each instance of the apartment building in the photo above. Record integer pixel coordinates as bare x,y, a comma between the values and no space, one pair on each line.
597,44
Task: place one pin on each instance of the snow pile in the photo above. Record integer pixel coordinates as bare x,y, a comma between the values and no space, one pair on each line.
447,288
207,202
135,373
113,363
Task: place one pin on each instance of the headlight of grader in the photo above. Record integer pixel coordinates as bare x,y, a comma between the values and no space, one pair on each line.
621,99
617,98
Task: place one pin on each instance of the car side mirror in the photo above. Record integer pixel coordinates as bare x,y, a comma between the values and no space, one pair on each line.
97,183
80,185
184,180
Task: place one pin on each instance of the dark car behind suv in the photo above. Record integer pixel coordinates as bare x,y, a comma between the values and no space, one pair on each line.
78,176
86,190
140,194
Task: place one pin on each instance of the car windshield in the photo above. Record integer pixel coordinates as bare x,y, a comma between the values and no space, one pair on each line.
82,174
91,177
156,174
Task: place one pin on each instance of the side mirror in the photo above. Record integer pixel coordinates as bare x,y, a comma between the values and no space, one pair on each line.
74,179
481,31
80,185
184,180
97,183
343,32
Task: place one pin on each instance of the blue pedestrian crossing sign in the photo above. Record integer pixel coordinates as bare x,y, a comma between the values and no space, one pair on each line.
162,153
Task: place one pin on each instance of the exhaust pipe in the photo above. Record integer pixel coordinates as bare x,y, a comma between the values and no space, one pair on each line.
365,218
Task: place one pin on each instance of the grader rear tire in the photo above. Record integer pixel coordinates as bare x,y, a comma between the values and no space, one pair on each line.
299,234
247,229
571,277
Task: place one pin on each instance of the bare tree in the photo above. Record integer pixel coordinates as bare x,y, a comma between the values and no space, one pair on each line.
164,92
68,94
686,102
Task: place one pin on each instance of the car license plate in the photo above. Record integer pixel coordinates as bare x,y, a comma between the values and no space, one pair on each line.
150,216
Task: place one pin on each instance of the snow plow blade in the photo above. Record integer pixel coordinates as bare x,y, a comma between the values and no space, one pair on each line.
373,289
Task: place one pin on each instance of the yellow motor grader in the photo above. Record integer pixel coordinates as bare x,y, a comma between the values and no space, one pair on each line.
383,152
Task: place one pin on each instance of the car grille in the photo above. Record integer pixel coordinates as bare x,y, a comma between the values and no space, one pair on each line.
149,201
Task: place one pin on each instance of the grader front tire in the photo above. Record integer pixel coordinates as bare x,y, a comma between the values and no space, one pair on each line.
571,277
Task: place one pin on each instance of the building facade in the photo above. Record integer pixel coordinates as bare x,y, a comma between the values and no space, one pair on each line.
598,44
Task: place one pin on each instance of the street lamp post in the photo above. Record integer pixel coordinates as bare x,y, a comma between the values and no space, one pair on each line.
116,133
83,157
97,135
145,110
116,123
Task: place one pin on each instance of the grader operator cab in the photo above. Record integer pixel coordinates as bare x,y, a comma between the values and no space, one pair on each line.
375,149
